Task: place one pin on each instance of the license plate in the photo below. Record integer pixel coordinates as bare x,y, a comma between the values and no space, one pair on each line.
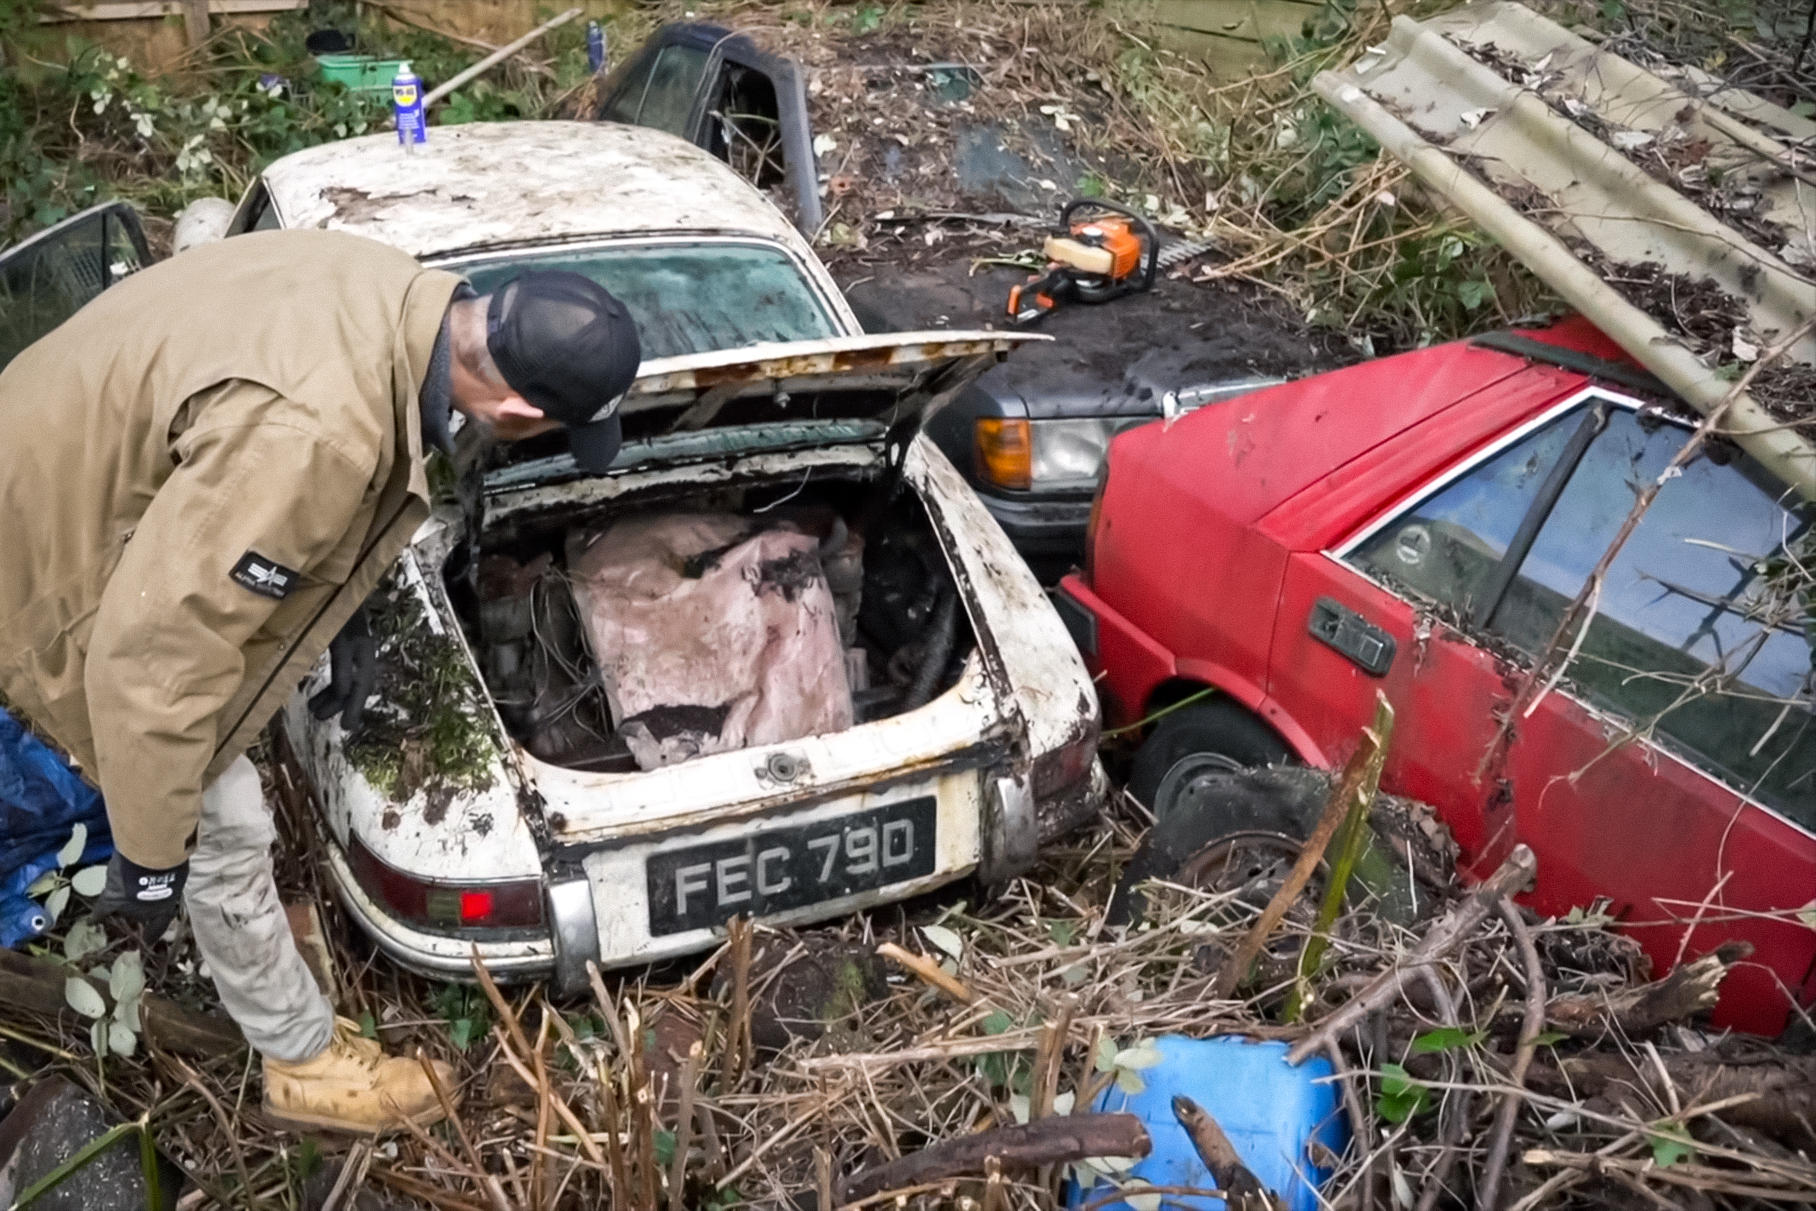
777,869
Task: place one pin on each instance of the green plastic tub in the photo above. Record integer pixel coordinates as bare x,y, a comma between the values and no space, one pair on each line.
360,73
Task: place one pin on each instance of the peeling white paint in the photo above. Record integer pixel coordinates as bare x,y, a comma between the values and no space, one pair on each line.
486,184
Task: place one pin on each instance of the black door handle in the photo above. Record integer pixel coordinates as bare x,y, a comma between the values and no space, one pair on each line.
1370,647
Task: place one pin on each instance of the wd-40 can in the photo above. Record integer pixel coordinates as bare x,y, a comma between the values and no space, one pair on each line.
406,99
595,47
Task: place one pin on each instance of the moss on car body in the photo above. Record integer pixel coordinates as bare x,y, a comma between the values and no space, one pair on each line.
429,728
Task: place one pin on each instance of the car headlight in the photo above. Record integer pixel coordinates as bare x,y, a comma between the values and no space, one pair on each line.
1022,454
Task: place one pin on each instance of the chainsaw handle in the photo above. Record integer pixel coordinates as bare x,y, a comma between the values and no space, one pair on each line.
1147,230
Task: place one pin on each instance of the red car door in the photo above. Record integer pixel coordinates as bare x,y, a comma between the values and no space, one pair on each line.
1672,772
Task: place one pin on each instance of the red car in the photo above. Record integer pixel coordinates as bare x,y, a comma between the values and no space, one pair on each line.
1418,525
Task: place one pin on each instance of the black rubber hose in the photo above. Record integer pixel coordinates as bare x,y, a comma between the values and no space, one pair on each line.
940,636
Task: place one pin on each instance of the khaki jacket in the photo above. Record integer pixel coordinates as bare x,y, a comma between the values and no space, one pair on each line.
203,473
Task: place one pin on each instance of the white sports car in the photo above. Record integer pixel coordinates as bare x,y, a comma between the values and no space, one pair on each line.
588,743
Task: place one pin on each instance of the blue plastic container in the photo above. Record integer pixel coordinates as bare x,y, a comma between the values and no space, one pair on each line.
1270,1111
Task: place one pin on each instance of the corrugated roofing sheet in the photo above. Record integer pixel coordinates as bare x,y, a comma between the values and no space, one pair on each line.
1590,161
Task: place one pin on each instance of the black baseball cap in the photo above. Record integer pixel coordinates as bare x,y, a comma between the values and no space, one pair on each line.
567,346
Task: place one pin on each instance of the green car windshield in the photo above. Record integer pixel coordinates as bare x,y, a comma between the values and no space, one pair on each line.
687,298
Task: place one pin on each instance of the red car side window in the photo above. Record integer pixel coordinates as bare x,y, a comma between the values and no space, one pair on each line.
1444,548
1684,636
1685,642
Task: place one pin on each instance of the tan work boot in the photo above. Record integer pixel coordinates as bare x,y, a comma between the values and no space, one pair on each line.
354,1087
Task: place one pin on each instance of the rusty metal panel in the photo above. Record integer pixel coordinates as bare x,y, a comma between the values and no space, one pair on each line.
892,359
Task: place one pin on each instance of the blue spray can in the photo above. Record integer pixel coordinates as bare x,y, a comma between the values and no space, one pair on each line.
595,47
406,100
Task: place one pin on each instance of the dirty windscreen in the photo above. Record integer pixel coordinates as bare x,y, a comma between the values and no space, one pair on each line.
687,297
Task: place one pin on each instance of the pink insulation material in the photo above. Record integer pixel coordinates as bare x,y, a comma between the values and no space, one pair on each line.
713,632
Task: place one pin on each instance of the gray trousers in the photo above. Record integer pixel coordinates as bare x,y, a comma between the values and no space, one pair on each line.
240,927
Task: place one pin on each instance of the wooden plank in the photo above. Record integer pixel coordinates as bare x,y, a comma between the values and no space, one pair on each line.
195,22
36,986
1229,59
1247,20
144,10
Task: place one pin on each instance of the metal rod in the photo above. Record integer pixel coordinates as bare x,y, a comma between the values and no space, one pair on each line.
496,57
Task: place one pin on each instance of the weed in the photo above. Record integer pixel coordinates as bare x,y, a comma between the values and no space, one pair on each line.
429,727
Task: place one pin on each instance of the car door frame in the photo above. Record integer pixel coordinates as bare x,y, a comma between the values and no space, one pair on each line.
114,211
799,164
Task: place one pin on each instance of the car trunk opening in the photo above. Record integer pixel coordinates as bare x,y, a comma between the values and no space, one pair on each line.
646,631
755,569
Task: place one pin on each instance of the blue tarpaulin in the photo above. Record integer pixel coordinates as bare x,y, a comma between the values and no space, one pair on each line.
41,802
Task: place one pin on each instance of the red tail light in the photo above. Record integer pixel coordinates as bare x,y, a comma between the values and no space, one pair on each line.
433,905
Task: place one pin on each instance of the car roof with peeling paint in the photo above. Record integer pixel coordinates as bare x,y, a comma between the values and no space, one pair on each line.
489,183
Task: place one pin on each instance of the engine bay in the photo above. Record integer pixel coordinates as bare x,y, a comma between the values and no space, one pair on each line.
663,626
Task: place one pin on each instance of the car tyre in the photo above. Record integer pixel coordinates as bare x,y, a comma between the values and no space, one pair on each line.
1270,811
1215,734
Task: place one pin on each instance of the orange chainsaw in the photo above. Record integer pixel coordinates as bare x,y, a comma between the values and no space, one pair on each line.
1093,260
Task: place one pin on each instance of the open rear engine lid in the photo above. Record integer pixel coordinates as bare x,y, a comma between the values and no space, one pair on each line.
802,393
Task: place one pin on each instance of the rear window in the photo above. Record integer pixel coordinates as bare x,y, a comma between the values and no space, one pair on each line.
687,298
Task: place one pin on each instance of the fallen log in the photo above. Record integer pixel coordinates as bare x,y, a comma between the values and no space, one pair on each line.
1691,988
1449,933
36,986
1048,1141
1783,1108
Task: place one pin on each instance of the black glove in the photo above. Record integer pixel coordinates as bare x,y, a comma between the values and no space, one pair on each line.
352,673
146,897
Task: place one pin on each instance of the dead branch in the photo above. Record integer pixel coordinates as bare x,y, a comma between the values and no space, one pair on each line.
1448,934
490,1184
1488,1190
929,972
435,1196
1336,809
1049,1141
1690,988
1779,1089
737,1040
1242,1189
684,1122
1694,1177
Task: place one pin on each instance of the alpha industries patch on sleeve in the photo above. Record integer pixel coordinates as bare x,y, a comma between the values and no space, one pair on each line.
266,577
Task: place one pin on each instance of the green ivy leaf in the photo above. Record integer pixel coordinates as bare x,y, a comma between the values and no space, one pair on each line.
1401,1096
665,1147
1549,1038
1063,931
1106,1053
998,1023
1671,1146
1474,293
84,998
1446,1038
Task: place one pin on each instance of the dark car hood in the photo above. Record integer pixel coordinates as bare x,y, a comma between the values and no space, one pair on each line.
1107,359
